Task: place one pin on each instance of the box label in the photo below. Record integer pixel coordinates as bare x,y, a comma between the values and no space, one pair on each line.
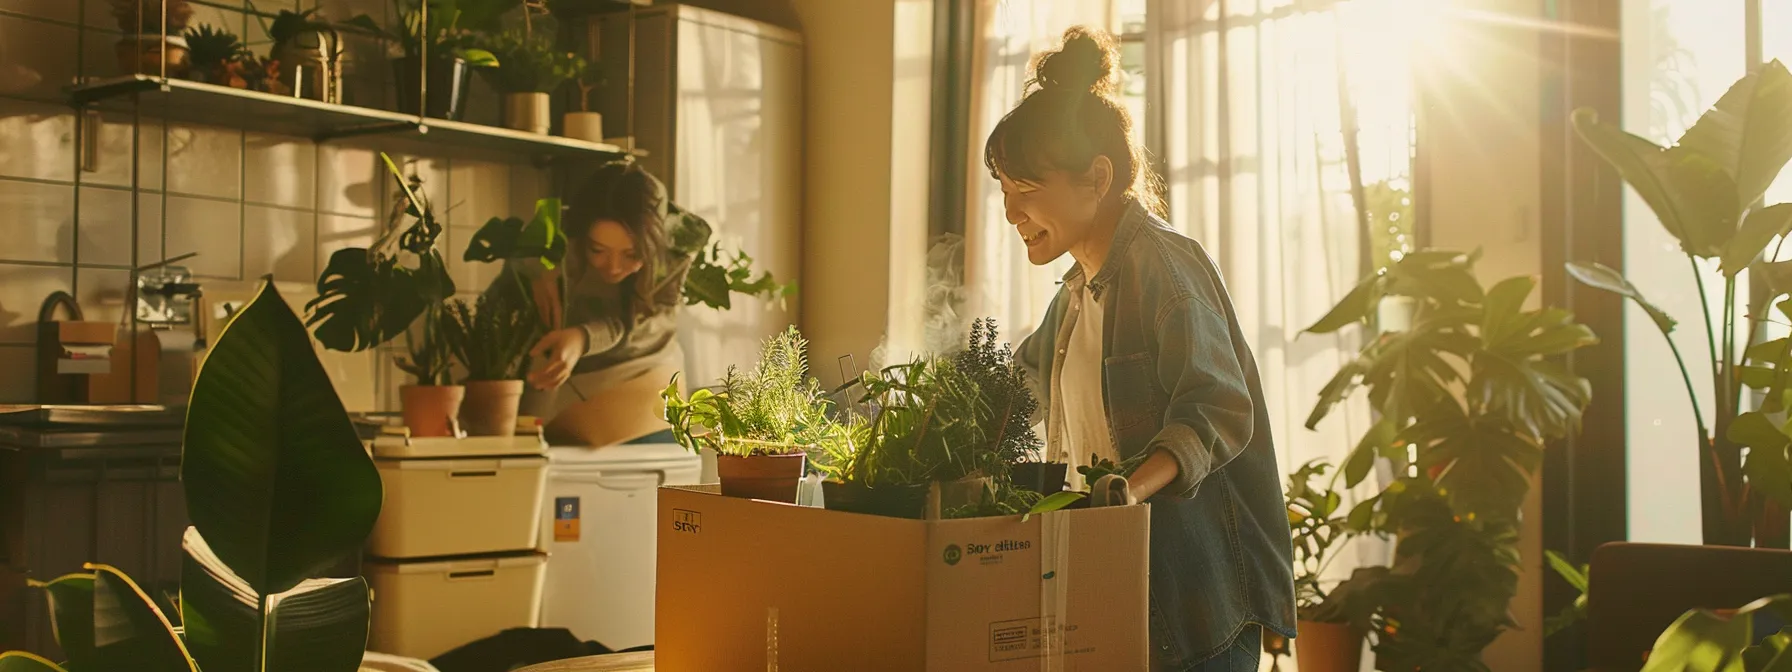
566,519
687,522
1029,638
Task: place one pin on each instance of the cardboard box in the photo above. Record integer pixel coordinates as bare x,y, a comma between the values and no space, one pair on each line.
753,585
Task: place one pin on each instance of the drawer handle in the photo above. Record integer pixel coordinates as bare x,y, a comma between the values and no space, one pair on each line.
476,574
472,474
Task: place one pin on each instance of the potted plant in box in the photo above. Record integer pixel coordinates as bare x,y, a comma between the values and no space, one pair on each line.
491,339
437,36
529,68
761,423
152,35
367,296
1003,386
928,434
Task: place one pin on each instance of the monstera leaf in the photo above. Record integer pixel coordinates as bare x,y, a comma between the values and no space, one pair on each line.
276,478
320,625
362,302
1512,376
1485,464
541,237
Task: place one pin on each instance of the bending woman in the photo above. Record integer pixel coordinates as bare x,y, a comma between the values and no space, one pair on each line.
1140,359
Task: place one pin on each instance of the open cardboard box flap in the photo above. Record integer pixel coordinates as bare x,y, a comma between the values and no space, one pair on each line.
743,582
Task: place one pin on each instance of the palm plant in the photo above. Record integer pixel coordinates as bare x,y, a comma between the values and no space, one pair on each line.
1466,399
1706,191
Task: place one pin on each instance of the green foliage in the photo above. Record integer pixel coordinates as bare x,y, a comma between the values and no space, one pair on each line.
1466,399
289,24
1003,385
1317,519
716,275
210,47
19,661
505,239
775,408
1099,466
931,424
1702,641
368,296
492,337
450,27
1576,577
1705,190
530,63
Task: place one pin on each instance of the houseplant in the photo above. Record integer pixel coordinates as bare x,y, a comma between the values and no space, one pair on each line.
367,296
928,443
1329,641
1706,192
491,340
529,69
584,123
1706,641
1466,399
309,51
1003,386
251,597
437,37
152,36
212,51
762,423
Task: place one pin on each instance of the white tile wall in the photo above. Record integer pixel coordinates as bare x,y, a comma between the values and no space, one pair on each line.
249,204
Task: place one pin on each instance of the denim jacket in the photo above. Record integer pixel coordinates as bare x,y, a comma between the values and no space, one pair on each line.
1179,377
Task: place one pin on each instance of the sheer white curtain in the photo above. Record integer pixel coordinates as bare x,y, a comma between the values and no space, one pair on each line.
1245,116
1002,283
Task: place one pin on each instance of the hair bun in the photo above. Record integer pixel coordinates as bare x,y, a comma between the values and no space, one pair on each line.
1084,62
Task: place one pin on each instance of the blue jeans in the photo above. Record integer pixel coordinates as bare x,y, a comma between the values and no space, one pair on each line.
1243,655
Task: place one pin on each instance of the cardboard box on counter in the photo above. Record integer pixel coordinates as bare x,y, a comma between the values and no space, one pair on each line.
753,585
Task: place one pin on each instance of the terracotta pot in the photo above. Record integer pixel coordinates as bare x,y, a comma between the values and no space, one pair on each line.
432,410
145,54
1328,647
491,407
528,112
587,126
769,477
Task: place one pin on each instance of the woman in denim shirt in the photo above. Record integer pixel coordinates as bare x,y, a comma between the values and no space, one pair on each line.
1140,359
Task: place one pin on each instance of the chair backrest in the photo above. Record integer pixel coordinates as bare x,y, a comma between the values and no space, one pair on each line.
1637,590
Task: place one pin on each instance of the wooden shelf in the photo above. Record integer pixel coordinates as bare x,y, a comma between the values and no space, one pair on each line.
208,104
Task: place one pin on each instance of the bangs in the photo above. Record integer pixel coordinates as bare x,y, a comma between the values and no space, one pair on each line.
1025,145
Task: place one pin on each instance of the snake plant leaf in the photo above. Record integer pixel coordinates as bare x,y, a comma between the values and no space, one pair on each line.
1692,196
321,625
1749,131
19,661
129,630
1758,229
275,475
1486,465
1602,277
71,617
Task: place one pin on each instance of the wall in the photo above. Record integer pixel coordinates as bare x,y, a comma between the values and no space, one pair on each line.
249,204
1480,137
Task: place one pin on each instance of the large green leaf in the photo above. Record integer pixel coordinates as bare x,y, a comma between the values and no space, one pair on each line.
1690,193
19,661
1362,459
71,617
321,625
1600,276
1749,131
129,630
1486,465
1701,641
540,238
1353,308
1757,231
1768,468
275,474
362,303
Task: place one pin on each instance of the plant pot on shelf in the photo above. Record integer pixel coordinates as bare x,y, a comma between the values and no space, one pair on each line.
431,410
147,54
449,81
587,126
491,407
528,112
769,477
1328,647
1044,478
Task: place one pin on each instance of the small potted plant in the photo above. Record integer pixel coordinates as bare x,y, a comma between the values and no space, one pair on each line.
309,52
367,296
1011,405
491,339
584,124
446,36
212,51
928,443
529,69
1329,641
152,35
761,424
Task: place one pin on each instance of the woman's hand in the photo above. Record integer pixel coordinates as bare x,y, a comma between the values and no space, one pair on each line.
560,349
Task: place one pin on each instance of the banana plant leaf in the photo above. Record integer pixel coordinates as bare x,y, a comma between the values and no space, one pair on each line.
19,661
1690,193
1749,131
275,475
129,631
321,625
1602,277
1758,229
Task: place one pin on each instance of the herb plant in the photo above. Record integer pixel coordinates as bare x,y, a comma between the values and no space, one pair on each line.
931,424
1003,386
773,409
530,63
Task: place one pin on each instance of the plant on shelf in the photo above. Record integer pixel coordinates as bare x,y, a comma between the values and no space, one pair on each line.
446,32
253,596
585,123
367,296
761,423
530,67
308,50
1466,400
213,51
152,36
1702,640
1706,191
491,339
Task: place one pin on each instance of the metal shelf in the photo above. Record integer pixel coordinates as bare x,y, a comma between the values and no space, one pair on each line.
208,104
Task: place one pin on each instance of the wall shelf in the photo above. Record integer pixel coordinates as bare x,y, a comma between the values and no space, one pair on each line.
207,104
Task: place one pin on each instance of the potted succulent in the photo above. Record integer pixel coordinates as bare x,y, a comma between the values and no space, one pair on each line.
367,296
529,68
152,35
309,52
491,339
212,51
584,124
441,43
761,424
